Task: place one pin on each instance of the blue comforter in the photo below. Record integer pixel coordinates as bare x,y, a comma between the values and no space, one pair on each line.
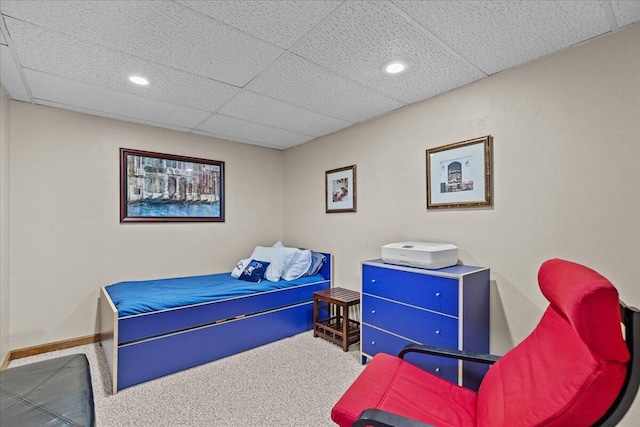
153,295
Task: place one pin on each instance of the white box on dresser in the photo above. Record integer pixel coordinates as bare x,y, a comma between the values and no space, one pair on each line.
448,307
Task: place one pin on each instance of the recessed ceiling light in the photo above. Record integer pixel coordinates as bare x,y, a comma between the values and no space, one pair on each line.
139,80
395,67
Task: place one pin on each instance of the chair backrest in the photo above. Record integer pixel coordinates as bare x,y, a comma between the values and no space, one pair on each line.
571,368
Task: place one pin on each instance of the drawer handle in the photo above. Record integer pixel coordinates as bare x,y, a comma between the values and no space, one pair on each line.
438,332
438,370
373,312
373,343
437,294
373,280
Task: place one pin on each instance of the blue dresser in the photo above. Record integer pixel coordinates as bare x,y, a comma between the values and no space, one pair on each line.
448,307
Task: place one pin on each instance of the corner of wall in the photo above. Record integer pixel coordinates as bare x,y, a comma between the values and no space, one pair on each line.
5,276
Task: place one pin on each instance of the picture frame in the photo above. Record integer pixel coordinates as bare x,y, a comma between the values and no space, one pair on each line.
459,175
156,187
340,190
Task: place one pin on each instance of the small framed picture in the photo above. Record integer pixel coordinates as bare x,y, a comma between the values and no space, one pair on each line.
459,175
340,189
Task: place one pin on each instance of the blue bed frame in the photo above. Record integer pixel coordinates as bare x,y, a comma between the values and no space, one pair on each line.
143,347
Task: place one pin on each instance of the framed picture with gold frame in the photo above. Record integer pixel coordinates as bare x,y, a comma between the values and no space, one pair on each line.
459,175
340,190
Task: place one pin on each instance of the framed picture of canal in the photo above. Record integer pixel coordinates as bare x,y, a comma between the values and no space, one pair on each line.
157,187
459,175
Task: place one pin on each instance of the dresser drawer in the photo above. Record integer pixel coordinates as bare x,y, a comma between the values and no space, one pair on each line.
422,290
416,324
375,341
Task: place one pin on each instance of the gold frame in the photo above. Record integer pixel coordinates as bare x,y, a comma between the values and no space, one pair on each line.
453,195
339,206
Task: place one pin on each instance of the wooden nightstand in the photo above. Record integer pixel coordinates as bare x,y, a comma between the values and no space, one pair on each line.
337,328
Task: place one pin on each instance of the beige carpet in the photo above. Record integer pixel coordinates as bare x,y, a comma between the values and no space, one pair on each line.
291,382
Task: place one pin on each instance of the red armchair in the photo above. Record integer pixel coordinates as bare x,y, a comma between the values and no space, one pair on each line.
574,369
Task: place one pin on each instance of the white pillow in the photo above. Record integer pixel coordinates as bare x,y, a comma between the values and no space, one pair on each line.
278,244
279,259
240,266
298,265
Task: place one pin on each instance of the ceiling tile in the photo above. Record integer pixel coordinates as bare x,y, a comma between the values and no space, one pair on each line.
241,140
626,12
68,92
89,63
496,35
359,39
161,31
111,115
228,138
279,22
10,77
302,83
248,131
275,113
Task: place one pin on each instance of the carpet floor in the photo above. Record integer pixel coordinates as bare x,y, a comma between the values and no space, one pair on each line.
291,382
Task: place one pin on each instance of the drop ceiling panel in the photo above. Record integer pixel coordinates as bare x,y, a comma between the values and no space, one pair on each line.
279,22
626,12
112,116
236,139
164,32
496,35
11,80
41,50
302,83
225,125
62,91
360,38
275,113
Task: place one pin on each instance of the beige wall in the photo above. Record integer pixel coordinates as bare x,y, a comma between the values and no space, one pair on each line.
566,151
67,240
4,227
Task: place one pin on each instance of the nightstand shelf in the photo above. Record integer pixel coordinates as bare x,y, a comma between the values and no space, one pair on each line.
337,328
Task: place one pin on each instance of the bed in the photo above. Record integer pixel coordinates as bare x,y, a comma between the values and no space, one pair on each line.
143,343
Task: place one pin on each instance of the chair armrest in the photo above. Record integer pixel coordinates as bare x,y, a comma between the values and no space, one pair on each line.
450,353
631,319
380,418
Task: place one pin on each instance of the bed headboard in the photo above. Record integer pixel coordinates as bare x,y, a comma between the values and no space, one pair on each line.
325,271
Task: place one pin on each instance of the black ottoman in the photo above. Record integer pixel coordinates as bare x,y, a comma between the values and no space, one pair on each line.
54,392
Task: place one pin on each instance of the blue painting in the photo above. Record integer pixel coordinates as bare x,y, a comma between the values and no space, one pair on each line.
162,187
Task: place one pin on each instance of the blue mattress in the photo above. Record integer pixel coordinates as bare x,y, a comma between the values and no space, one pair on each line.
153,295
